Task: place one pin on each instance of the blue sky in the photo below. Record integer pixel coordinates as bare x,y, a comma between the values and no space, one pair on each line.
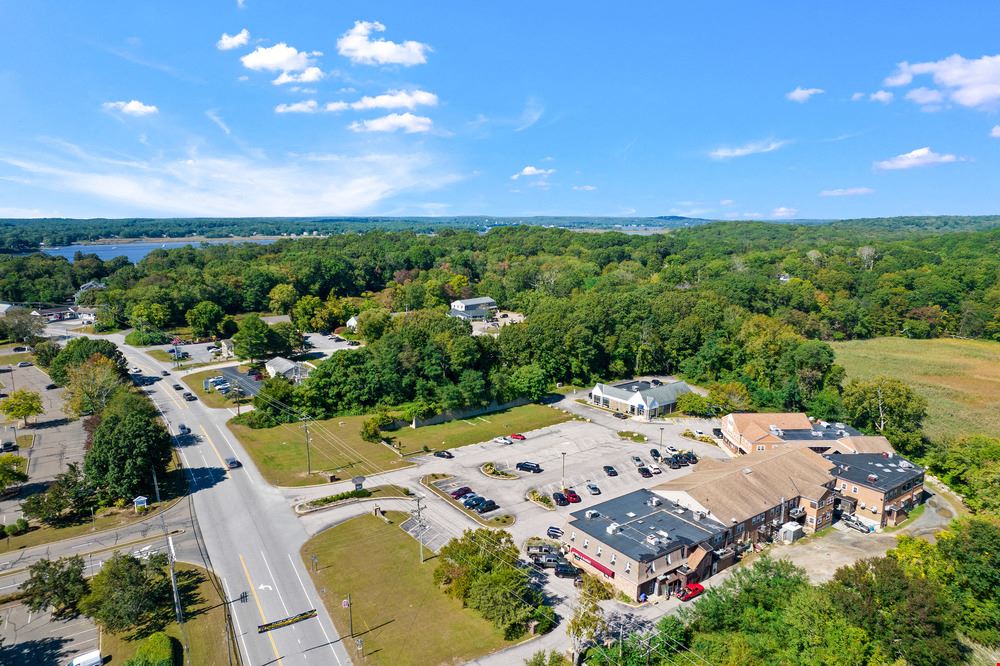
724,110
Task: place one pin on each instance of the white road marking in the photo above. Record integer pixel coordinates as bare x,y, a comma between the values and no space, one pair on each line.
322,628
237,620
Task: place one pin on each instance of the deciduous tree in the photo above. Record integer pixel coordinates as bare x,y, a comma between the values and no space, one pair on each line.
58,585
204,319
251,340
22,404
127,592
91,385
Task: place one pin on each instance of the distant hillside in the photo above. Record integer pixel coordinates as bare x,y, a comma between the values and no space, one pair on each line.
28,234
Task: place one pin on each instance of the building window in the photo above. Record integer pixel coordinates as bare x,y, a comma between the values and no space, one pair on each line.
843,486
586,543
759,518
739,528
613,558
812,505
761,447
811,520
854,489
598,551
572,536
628,567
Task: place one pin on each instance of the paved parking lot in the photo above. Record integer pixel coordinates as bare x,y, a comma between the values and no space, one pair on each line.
37,639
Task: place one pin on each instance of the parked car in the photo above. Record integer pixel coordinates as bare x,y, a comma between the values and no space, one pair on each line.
593,489
8,446
571,496
518,436
690,591
656,382
554,532
19,349
654,454
534,468
503,440
353,343
855,523
233,463
24,364
699,432
50,387
443,454
691,458
682,460
610,471
464,490
473,502
619,415
190,397
645,473
178,387
487,506
654,468
560,499
566,570
637,461
673,464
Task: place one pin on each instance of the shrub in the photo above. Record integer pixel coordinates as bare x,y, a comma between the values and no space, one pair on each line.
20,526
350,494
146,338
156,650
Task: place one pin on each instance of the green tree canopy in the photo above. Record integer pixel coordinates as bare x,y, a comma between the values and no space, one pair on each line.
204,319
57,584
127,592
126,450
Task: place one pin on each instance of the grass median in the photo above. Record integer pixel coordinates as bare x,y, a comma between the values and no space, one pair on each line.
462,432
336,448
403,617
210,398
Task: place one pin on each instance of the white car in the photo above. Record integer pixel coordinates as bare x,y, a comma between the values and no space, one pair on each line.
503,440
637,461
672,449
136,370
654,468
593,489
699,433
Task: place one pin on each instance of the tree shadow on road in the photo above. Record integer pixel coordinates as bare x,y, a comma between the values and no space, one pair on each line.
43,652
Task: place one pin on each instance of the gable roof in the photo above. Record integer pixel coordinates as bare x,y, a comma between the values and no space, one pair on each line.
665,394
757,425
281,365
743,487
478,300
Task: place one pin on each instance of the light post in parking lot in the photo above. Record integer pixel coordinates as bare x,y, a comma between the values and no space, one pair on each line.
563,480
661,438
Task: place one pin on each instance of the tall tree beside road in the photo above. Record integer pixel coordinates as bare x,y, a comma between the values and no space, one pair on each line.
78,350
127,592
204,319
66,498
10,471
91,385
251,340
58,585
22,404
20,325
127,449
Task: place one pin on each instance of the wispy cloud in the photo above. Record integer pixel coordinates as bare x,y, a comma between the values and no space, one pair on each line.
846,192
533,171
357,45
783,212
995,132
305,106
397,99
131,108
882,96
585,188
407,122
214,116
532,113
802,95
752,148
915,158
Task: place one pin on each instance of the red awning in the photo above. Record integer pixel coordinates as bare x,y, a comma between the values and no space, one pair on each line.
594,563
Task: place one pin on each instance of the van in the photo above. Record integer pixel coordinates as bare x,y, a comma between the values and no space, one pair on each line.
90,659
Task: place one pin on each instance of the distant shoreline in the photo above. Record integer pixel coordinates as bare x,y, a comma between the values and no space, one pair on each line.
179,239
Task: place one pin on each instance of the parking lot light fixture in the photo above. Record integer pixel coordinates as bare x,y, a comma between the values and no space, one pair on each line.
562,483
661,438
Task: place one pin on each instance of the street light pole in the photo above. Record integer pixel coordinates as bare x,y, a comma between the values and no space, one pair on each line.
661,438
563,481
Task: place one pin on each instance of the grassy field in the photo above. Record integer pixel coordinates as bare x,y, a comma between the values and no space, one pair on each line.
204,623
483,428
959,378
336,446
14,359
196,383
403,618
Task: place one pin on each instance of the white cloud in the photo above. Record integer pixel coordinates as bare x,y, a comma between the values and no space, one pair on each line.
726,202
533,111
305,106
752,148
744,216
307,75
970,83
356,44
409,123
219,122
585,188
857,97
846,192
802,95
227,42
533,171
995,132
223,185
924,96
334,107
132,108
397,99
783,212
915,158
278,58
241,4
883,96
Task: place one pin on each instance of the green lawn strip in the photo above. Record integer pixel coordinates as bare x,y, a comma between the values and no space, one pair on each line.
632,436
14,359
336,448
204,623
463,432
496,521
108,518
24,442
196,382
377,492
400,614
960,379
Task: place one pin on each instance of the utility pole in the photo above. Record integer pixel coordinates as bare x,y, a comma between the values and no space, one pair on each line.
420,523
305,426
661,438
563,479
350,615
13,384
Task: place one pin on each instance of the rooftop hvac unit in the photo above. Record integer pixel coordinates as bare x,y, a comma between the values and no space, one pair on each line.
654,501
679,511
652,540
873,477
906,464
664,534
591,514
816,433
839,426
613,528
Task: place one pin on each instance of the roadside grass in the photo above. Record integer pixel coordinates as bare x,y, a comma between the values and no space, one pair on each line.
454,434
161,355
387,491
108,518
335,445
632,436
14,359
196,383
204,623
24,442
403,618
960,379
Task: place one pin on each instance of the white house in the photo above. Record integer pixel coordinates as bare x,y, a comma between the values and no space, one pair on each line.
639,398
481,307
290,370
352,323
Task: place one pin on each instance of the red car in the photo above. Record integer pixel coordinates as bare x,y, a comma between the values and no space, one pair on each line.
518,436
691,590
571,496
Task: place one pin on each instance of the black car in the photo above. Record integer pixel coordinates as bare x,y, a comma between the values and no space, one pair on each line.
566,570
233,463
610,471
443,454
178,387
164,373
681,460
673,464
645,473
474,502
49,387
487,506
691,458
619,415
534,468
554,532
655,454
190,397
560,499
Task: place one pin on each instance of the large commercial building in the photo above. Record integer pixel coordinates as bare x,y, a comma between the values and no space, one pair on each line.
879,488
473,309
754,432
639,398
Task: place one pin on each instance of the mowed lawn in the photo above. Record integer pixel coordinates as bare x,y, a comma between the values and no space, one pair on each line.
462,432
204,623
336,447
399,613
959,378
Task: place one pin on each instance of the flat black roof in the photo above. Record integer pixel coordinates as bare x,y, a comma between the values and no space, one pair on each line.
819,433
672,527
890,472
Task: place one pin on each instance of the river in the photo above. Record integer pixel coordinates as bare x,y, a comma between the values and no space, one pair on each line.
136,251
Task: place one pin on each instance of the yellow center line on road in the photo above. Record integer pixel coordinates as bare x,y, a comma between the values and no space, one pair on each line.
212,444
260,609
